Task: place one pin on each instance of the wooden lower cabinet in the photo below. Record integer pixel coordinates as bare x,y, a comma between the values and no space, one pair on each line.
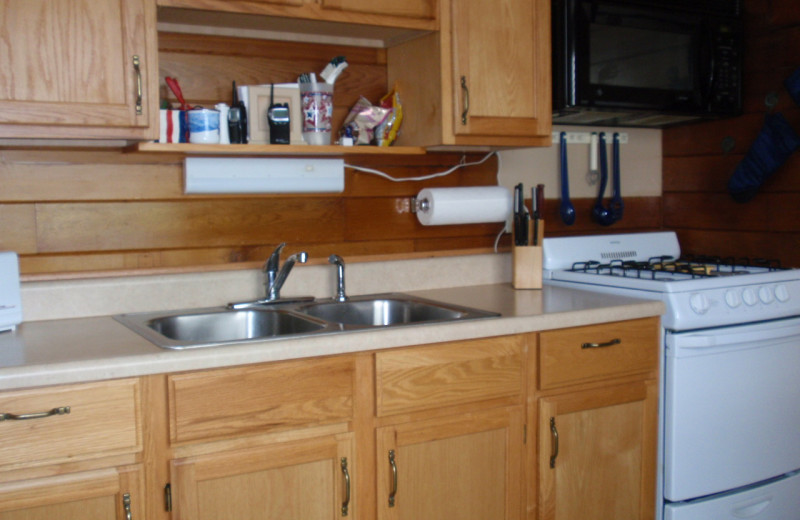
308,479
465,467
106,494
597,417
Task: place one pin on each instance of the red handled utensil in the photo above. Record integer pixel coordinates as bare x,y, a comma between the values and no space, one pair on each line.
173,85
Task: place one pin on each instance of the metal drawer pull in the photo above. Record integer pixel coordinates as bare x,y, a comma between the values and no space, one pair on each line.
466,100
393,464
126,504
138,71
346,503
554,437
62,410
615,341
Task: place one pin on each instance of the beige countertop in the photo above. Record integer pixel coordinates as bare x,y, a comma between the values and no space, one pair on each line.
57,351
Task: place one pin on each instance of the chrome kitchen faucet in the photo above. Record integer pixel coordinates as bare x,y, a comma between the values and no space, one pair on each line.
276,275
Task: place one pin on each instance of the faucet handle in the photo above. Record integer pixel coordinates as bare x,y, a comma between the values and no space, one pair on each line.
274,260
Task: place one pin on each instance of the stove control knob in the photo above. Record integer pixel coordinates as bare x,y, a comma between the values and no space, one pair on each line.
732,299
782,293
699,303
749,297
765,295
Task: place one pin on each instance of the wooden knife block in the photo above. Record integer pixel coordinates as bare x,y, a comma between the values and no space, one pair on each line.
526,263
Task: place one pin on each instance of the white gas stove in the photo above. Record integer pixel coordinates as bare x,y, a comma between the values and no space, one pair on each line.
10,305
729,444
698,292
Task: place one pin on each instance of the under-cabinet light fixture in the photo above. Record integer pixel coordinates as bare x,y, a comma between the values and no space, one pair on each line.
263,175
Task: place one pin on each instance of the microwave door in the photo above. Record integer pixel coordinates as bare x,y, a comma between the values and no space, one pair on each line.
639,58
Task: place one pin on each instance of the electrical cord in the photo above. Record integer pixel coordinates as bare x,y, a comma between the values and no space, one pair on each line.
421,178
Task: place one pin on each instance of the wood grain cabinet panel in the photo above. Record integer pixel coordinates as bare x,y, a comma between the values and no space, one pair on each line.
110,494
597,453
595,352
69,423
447,374
466,467
310,479
425,9
78,69
256,399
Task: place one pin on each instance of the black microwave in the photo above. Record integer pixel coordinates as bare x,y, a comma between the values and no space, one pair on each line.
650,63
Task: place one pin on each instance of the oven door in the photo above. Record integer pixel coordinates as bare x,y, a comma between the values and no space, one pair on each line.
731,410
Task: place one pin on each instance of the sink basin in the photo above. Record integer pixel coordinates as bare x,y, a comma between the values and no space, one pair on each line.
387,311
258,321
206,327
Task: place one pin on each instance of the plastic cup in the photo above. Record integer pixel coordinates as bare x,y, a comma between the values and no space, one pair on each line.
317,102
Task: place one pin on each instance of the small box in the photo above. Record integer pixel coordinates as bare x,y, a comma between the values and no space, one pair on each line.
526,262
258,104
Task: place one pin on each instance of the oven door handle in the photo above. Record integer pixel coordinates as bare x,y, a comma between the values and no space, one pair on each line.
720,339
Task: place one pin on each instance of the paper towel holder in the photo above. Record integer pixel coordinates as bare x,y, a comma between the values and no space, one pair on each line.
419,205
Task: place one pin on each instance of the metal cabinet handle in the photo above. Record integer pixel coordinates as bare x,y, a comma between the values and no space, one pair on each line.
554,437
615,341
126,504
138,71
346,503
466,100
61,410
393,464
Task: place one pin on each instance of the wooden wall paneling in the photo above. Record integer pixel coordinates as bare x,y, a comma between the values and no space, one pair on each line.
712,172
164,225
740,244
640,214
68,175
696,171
18,228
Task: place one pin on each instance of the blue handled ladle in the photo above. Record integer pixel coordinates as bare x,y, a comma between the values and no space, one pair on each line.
600,213
567,210
616,206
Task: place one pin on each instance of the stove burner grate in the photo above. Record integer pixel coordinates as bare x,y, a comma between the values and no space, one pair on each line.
668,268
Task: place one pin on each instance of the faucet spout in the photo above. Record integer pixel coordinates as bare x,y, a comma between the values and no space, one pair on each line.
339,263
276,275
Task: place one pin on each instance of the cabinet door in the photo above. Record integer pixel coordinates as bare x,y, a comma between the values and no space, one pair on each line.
306,479
72,65
465,467
501,67
94,495
425,9
597,453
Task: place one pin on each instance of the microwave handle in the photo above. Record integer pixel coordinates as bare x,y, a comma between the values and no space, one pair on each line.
708,71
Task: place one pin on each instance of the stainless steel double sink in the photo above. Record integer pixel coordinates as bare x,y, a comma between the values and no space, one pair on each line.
217,326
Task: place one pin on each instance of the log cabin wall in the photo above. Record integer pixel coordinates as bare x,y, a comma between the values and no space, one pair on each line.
696,169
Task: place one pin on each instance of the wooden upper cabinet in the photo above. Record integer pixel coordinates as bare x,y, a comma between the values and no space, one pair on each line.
425,9
482,80
78,69
500,67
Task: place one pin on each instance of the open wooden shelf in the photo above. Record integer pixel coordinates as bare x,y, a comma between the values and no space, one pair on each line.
275,149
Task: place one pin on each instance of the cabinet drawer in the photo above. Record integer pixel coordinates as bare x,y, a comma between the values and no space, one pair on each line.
597,351
103,419
253,399
448,374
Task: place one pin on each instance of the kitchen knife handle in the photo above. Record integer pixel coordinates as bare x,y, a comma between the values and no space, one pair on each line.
393,465
61,410
465,89
554,437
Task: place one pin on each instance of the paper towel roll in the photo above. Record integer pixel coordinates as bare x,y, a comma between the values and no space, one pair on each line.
469,205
